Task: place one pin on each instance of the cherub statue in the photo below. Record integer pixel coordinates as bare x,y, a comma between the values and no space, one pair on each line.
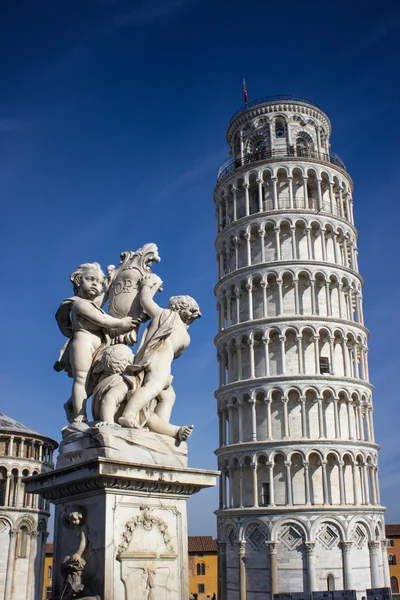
118,377
165,339
88,328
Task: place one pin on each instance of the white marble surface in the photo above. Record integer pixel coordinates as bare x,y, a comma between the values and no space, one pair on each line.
135,523
84,442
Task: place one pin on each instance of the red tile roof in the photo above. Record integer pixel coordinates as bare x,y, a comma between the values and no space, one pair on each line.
49,547
392,530
202,543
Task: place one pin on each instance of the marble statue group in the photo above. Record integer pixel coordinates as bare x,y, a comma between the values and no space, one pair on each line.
128,390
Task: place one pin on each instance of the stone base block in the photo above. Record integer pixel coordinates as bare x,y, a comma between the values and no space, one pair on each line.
85,441
120,528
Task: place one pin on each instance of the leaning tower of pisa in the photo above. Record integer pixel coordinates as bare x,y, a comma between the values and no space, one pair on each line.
299,497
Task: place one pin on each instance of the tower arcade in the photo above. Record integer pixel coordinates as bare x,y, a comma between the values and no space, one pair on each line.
299,496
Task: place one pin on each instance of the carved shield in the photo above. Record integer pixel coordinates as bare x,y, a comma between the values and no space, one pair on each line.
123,287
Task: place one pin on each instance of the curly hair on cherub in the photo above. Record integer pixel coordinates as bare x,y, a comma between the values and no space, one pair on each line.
115,359
76,276
178,303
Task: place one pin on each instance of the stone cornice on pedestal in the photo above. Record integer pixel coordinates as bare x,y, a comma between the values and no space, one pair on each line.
82,479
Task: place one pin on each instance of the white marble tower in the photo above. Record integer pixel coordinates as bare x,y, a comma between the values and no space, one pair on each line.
299,497
23,516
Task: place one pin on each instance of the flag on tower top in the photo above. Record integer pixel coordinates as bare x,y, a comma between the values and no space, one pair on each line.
246,98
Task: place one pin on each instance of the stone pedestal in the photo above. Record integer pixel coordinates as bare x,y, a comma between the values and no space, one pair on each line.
128,517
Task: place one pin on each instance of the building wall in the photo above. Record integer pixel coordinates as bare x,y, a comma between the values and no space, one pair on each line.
209,580
48,576
393,551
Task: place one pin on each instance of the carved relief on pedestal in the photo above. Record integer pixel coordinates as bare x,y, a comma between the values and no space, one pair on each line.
149,561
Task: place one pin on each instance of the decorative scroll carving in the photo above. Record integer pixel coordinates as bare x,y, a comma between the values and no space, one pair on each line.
147,519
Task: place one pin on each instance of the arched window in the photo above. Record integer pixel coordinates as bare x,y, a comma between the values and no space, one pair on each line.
394,584
392,559
27,497
304,144
3,485
49,572
201,569
14,488
22,542
280,130
330,582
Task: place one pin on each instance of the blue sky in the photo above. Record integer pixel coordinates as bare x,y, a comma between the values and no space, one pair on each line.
112,128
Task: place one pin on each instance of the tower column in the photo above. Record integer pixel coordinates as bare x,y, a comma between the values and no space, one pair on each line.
312,580
373,555
255,484
10,566
242,571
273,567
347,568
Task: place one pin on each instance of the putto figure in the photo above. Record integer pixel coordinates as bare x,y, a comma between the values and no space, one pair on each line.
131,391
89,329
165,339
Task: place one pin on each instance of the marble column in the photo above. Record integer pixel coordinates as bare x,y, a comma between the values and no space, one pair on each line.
242,571
289,491
386,570
373,556
31,566
10,566
324,482
273,568
347,568
270,466
312,580
307,483
255,484
252,403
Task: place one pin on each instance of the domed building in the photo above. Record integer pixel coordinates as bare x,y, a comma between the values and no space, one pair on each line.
23,517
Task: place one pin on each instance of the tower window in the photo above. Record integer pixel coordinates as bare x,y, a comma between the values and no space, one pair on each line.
279,128
201,588
265,496
392,559
22,542
324,365
201,569
330,581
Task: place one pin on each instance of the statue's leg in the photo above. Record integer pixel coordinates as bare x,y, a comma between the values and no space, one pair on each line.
157,425
166,400
81,361
154,383
111,401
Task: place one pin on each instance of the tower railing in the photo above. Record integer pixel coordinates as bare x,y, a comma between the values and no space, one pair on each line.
279,98
264,154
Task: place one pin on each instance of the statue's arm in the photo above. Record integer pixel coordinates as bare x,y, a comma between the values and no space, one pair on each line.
85,309
149,285
150,307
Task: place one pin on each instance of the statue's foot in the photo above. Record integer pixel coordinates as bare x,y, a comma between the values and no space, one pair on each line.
80,419
184,432
126,422
106,424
